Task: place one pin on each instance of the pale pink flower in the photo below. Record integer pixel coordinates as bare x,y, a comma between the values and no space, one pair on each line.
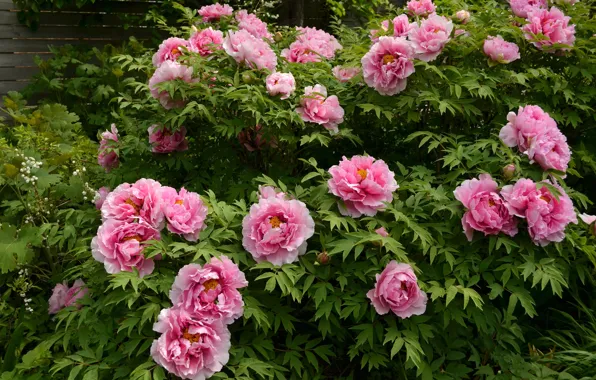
100,196
185,212
388,64
215,12
421,8
553,25
550,150
363,183
277,229
107,156
460,32
310,45
499,50
462,16
169,50
518,196
140,202
168,71
589,220
206,41
210,291
529,123
190,347
252,24
317,107
374,34
119,246
63,296
382,231
163,140
282,84
397,290
430,37
254,52
345,74
402,26
521,8
270,192
485,209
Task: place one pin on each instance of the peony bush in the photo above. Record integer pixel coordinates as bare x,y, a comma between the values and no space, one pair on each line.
411,198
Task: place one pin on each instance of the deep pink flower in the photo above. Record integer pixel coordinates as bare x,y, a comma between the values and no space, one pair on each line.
402,26
168,71
215,12
485,209
317,107
210,291
462,16
518,196
529,123
162,139
550,150
282,84
345,74
190,347
310,45
363,184
500,50
119,246
77,291
553,25
397,290
184,211
276,229
430,37
254,52
420,7
206,41
100,196
63,296
169,50
252,24
388,64
252,139
140,201
521,8
107,157
382,231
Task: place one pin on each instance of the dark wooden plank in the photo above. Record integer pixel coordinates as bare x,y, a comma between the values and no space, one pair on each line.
40,46
16,73
20,31
12,60
12,86
7,4
81,19
105,6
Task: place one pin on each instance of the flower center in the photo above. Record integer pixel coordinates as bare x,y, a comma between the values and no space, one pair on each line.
210,285
387,59
362,173
133,237
545,199
275,222
175,51
491,203
133,205
192,338
403,286
179,202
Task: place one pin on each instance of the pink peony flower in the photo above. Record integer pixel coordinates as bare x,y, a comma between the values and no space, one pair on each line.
215,12
345,74
282,84
164,141
402,26
550,150
485,209
210,291
317,107
374,34
461,32
254,52
57,300
190,347
499,50
140,201
397,290
168,71
363,183
107,157
170,50
184,211
119,246
462,16
100,196
388,64
276,229
76,292
554,27
518,196
430,37
310,46
252,24
270,192
382,231
205,41
521,8
420,7
529,123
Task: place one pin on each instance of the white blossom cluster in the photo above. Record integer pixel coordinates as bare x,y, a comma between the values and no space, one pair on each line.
29,164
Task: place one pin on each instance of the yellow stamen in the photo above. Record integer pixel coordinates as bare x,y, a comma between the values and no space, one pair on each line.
545,199
275,222
134,205
491,203
134,237
192,338
210,285
362,173
175,51
387,59
179,202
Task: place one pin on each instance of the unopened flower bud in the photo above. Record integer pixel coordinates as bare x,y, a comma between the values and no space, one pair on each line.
323,258
508,171
278,36
463,16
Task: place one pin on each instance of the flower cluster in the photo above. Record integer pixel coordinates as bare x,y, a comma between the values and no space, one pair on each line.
311,45
250,50
107,155
30,164
252,24
134,214
195,341
421,8
547,28
64,296
215,12
536,135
